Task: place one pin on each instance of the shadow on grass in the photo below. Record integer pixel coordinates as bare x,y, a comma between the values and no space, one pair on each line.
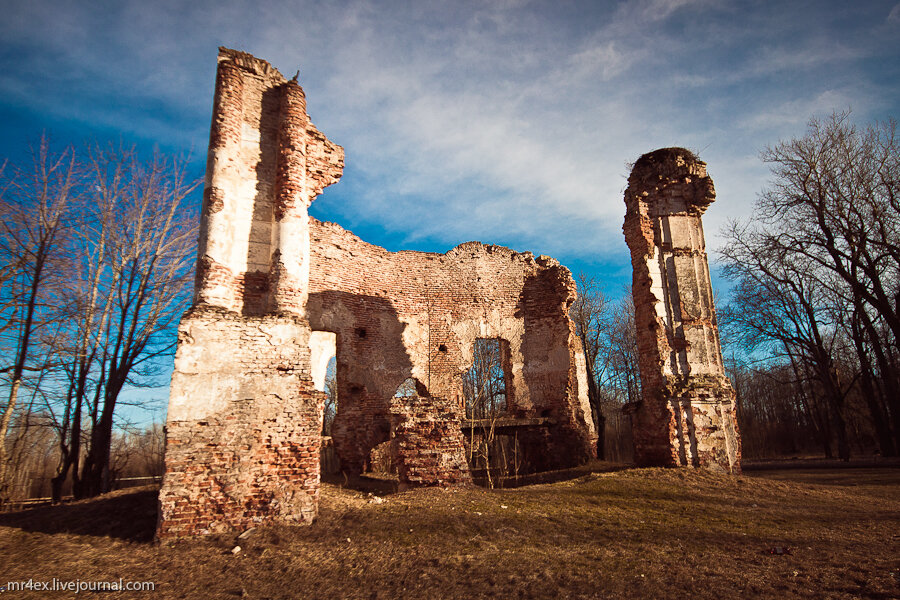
773,464
128,516
846,477
380,485
509,482
384,484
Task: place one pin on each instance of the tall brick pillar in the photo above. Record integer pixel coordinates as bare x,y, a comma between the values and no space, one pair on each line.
216,284
290,264
244,421
686,416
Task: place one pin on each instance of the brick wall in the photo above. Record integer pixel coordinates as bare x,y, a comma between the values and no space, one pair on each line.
266,163
427,443
243,427
244,420
413,314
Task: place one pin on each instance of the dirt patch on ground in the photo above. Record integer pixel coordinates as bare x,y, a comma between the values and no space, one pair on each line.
647,533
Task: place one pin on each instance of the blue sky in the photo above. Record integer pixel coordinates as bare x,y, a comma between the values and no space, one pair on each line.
507,121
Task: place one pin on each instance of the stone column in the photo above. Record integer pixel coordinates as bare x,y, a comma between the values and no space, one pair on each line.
290,260
216,284
686,415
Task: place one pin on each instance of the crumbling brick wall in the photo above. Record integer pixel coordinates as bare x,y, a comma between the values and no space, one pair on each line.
266,164
416,314
427,442
686,415
244,417
244,421
243,427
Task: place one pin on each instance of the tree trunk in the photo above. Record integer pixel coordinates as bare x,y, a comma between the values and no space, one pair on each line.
597,410
71,456
95,478
869,391
890,376
835,402
4,427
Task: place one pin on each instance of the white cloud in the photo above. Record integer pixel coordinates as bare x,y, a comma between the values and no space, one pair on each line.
603,60
789,115
792,57
653,10
502,121
894,16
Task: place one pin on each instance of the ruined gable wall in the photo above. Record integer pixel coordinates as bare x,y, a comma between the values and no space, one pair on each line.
414,314
686,415
265,165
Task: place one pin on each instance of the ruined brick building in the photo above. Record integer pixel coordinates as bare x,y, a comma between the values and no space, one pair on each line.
278,292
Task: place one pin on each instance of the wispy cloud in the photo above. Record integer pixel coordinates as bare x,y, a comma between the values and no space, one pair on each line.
506,121
792,114
602,60
653,10
894,16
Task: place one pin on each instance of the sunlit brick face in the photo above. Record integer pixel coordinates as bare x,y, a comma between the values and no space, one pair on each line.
686,415
245,416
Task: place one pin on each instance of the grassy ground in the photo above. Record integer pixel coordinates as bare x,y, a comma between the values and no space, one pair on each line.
646,533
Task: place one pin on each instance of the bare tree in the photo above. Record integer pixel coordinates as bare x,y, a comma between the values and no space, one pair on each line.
818,276
622,384
91,298
779,300
330,397
149,258
31,455
34,204
484,385
95,269
138,452
623,379
590,315
835,204
484,390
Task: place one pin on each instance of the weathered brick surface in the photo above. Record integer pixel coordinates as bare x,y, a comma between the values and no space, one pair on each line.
266,164
244,420
427,442
686,415
244,425
413,314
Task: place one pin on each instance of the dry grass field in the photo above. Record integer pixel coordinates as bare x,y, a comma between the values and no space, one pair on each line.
643,533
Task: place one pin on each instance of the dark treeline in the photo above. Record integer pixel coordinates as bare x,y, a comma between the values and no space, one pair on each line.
96,262
816,301
607,334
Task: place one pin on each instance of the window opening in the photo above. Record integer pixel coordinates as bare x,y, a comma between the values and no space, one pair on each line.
484,384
